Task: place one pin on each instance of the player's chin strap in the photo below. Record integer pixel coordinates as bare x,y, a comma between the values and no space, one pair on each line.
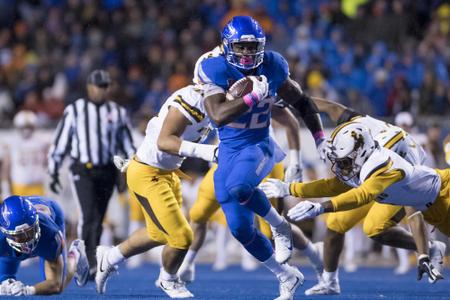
203,151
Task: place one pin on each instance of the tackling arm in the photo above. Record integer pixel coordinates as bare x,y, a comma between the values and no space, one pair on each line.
348,200
329,187
173,127
332,109
366,192
169,139
337,112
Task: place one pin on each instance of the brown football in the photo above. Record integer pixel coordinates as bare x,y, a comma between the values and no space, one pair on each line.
241,87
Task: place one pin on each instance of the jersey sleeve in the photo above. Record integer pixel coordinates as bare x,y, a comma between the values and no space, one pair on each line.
367,191
52,239
188,105
212,74
319,188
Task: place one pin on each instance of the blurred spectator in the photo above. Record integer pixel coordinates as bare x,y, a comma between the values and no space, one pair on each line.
434,144
399,96
405,121
378,93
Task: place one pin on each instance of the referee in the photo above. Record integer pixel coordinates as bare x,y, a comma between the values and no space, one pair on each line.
92,131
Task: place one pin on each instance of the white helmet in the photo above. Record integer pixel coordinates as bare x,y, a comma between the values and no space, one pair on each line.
349,146
25,118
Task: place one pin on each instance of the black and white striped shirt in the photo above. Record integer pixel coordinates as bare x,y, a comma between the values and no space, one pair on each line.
92,133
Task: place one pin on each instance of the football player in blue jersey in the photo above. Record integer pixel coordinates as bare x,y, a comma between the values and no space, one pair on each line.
34,226
246,152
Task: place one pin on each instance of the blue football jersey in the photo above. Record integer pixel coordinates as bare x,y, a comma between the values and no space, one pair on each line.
252,126
51,222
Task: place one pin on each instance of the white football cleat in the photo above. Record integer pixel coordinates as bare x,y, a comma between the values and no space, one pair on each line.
186,273
289,282
78,250
174,288
437,252
325,288
282,237
104,268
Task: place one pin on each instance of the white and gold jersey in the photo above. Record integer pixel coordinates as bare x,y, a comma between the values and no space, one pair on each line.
189,101
29,161
419,186
213,53
394,138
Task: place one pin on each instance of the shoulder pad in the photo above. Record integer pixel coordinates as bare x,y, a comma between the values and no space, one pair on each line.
277,65
188,101
379,159
214,70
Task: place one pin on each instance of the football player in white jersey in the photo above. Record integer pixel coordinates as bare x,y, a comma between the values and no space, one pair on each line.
153,180
379,219
367,172
25,166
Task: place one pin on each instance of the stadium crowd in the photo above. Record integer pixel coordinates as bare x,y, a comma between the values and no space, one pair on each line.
376,56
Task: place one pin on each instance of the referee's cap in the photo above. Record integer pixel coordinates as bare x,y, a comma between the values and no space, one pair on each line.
99,78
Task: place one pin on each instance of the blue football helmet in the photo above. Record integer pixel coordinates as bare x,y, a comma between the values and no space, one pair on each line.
243,42
19,221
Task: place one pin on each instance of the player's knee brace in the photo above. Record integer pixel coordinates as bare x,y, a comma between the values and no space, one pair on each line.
182,238
242,192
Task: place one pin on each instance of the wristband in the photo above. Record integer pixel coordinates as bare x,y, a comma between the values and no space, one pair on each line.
250,99
190,149
319,135
29,290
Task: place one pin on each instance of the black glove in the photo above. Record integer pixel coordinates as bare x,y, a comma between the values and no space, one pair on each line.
425,266
55,185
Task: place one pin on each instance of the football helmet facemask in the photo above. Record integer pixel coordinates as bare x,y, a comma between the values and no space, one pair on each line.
349,147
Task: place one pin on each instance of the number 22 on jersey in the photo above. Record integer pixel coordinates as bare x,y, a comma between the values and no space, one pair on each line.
258,117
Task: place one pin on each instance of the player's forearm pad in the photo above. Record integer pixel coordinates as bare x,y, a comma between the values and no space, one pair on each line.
190,149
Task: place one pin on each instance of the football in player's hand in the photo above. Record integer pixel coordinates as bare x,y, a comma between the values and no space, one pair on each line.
241,87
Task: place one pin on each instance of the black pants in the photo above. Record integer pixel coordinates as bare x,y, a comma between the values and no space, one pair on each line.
94,187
